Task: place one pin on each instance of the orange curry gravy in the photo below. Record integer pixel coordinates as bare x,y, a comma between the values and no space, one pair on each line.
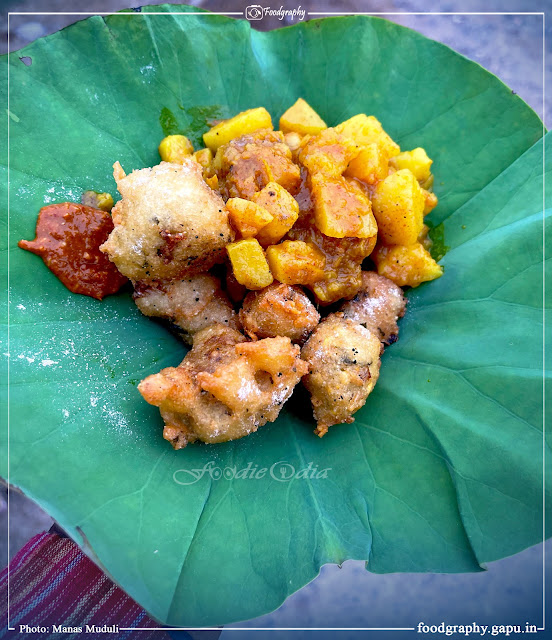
68,239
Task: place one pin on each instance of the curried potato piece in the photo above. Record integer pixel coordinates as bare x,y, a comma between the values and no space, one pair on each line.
370,165
205,159
224,388
341,209
247,164
406,266
431,201
296,262
363,130
415,160
249,263
302,118
284,209
328,153
377,306
344,363
344,256
212,182
168,223
279,310
398,203
191,304
175,149
247,217
241,124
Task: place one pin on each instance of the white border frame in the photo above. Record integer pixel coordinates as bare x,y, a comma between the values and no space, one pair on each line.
308,15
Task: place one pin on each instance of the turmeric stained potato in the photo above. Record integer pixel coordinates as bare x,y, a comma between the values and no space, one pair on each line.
284,209
296,262
406,266
341,209
301,118
247,217
242,123
363,130
249,263
398,203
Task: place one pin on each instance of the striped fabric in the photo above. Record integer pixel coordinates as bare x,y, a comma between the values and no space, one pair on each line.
53,583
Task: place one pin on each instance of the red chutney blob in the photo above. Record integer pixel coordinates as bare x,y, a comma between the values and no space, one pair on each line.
68,239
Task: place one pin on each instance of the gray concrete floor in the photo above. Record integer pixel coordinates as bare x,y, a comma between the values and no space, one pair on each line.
510,47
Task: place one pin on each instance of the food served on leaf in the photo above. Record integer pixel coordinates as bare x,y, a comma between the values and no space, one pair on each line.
191,304
344,363
377,306
244,245
168,224
225,388
279,310
68,239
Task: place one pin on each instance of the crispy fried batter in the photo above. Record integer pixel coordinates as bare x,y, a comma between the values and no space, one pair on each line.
248,163
377,306
225,388
168,224
344,362
191,304
279,310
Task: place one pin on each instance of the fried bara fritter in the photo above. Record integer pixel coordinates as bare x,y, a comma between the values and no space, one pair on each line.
168,224
279,310
248,163
225,388
192,304
344,363
378,305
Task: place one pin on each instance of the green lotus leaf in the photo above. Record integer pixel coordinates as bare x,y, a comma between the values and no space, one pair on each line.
442,470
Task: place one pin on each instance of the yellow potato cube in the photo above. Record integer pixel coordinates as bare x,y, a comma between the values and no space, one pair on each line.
205,158
242,123
296,262
370,166
398,203
329,152
406,266
284,209
249,264
341,209
415,160
212,182
247,217
302,118
175,149
363,130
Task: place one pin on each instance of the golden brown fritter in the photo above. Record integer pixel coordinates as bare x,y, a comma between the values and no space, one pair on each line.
378,305
279,310
248,163
168,224
344,363
191,303
225,388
